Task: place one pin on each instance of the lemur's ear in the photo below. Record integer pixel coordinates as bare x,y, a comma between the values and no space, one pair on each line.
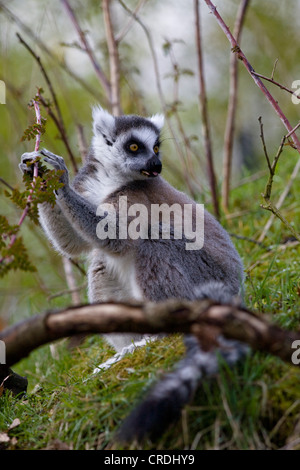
103,123
158,120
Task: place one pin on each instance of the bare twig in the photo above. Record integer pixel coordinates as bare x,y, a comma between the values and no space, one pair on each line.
61,63
71,281
271,80
281,199
120,36
198,318
204,113
114,62
6,184
264,145
274,68
59,119
293,130
230,121
46,76
100,74
67,292
237,50
82,143
62,132
159,89
268,205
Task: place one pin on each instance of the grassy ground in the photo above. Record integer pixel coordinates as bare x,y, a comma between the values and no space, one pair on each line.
254,406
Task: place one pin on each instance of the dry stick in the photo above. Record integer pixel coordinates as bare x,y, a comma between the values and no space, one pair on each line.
128,26
186,140
272,101
82,143
62,132
230,122
42,45
204,113
171,316
71,281
101,76
268,189
271,80
6,184
114,62
48,81
58,120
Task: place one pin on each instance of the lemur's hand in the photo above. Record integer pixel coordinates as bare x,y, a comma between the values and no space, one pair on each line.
27,162
58,163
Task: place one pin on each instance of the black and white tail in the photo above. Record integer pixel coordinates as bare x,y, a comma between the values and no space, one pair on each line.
163,404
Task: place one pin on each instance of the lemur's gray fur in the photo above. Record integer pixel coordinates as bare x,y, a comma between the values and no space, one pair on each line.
125,160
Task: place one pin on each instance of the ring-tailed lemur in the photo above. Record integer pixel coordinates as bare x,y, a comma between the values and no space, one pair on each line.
125,161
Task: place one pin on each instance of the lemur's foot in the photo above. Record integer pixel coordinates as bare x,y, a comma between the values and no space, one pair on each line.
27,161
58,163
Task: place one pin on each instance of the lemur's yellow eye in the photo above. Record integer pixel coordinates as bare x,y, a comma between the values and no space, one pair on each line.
156,149
133,147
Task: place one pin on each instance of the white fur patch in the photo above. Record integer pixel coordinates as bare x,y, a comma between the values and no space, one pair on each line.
158,120
102,121
119,356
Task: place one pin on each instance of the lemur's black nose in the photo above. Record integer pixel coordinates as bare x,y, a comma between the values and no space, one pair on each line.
154,165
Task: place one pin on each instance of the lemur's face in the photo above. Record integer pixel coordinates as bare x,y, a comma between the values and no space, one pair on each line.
129,145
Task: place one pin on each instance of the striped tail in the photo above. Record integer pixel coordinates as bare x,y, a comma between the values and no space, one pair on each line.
163,405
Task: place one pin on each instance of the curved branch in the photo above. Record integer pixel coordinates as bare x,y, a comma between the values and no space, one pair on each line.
204,319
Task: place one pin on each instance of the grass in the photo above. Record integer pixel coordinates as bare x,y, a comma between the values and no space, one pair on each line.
252,406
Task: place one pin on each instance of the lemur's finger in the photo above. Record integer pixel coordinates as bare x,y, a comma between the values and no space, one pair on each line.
27,161
30,156
51,161
23,167
59,164
46,153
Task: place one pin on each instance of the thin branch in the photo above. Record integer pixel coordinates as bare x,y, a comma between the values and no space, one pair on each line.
82,143
204,113
114,62
230,121
268,205
159,88
271,80
127,27
6,184
59,119
100,74
35,175
46,76
66,292
274,68
62,132
264,144
201,318
293,130
71,281
12,17
237,50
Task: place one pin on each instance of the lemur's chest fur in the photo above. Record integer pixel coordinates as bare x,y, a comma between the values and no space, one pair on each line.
120,268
